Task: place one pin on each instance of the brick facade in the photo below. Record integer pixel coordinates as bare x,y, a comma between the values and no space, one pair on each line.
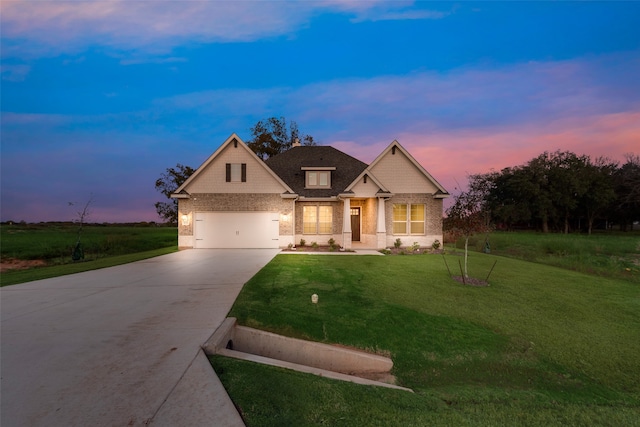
229,202
262,190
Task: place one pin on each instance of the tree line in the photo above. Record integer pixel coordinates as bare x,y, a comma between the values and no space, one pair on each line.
560,191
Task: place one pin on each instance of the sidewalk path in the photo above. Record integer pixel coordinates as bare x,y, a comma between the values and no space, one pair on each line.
121,346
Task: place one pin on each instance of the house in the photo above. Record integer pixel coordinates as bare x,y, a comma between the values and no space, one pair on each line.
315,193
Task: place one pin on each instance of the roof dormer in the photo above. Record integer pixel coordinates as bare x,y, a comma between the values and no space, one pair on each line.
317,177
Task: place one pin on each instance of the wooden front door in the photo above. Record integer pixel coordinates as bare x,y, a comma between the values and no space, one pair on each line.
355,224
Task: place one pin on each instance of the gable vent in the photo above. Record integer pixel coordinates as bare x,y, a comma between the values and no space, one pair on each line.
393,150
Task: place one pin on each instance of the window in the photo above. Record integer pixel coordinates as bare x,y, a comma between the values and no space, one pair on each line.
236,172
417,219
325,219
318,179
310,220
399,219
317,176
317,219
408,217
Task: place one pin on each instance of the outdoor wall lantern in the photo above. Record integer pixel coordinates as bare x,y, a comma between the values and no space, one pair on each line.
185,219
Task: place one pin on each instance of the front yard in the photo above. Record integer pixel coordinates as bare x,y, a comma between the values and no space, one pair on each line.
539,346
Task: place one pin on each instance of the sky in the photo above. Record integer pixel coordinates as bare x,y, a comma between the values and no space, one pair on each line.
98,98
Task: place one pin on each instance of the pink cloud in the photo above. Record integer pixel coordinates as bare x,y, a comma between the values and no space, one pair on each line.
451,155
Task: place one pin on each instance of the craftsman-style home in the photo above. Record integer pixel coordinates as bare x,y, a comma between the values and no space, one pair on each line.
311,193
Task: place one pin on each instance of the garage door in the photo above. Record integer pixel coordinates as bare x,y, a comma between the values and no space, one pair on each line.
236,229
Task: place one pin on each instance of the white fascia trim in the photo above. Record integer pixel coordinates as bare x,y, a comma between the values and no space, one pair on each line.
367,172
318,199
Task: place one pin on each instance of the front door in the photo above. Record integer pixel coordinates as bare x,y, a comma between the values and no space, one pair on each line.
355,224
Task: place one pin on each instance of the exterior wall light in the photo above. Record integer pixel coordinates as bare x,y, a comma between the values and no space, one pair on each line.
185,219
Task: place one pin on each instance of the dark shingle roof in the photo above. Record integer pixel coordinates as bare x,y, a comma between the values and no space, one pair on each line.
288,166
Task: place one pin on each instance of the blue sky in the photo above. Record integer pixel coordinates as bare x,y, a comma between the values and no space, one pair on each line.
99,97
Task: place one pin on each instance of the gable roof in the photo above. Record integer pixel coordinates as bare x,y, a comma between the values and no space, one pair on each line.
367,172
288,166
202,167
395,145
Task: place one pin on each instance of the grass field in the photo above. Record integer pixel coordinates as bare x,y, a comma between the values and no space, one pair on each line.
603,254
103,246
539,346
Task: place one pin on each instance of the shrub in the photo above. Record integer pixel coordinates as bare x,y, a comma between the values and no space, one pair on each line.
303,242
314,245
397,243
435,245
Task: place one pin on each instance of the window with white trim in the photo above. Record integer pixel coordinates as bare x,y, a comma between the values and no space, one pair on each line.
409,218
317,219
318,179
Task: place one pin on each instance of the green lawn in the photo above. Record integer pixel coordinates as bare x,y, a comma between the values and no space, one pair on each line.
103,246
540,346
21,276
605,254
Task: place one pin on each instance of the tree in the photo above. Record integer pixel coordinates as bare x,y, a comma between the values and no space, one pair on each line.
271,137
169,182
542,201
83,214
468,215
509,196
626,207
597,177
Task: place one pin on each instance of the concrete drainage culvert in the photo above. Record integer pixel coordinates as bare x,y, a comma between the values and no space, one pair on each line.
325,360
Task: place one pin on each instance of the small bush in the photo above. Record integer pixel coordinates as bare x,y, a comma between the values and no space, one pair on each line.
314,245
435,245
397,243
303,242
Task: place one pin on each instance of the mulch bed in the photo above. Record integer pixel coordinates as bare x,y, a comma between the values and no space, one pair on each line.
9,264
470,281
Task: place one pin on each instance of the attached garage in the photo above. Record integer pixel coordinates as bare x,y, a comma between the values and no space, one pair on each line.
236,230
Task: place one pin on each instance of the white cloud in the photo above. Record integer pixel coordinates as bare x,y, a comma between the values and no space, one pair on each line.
370,110
44,28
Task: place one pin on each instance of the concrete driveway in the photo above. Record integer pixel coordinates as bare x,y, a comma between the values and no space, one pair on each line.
121,346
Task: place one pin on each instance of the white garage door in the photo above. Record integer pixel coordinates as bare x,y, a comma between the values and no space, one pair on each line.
236,229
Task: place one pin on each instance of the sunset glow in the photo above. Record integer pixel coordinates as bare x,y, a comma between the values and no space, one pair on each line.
100,97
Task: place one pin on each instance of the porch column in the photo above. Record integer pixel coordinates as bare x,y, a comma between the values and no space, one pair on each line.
346,224
381,228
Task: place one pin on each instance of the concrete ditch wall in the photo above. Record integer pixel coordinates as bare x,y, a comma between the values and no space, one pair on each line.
324,360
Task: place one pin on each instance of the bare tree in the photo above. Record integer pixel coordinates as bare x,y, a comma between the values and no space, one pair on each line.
468,216
82,216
